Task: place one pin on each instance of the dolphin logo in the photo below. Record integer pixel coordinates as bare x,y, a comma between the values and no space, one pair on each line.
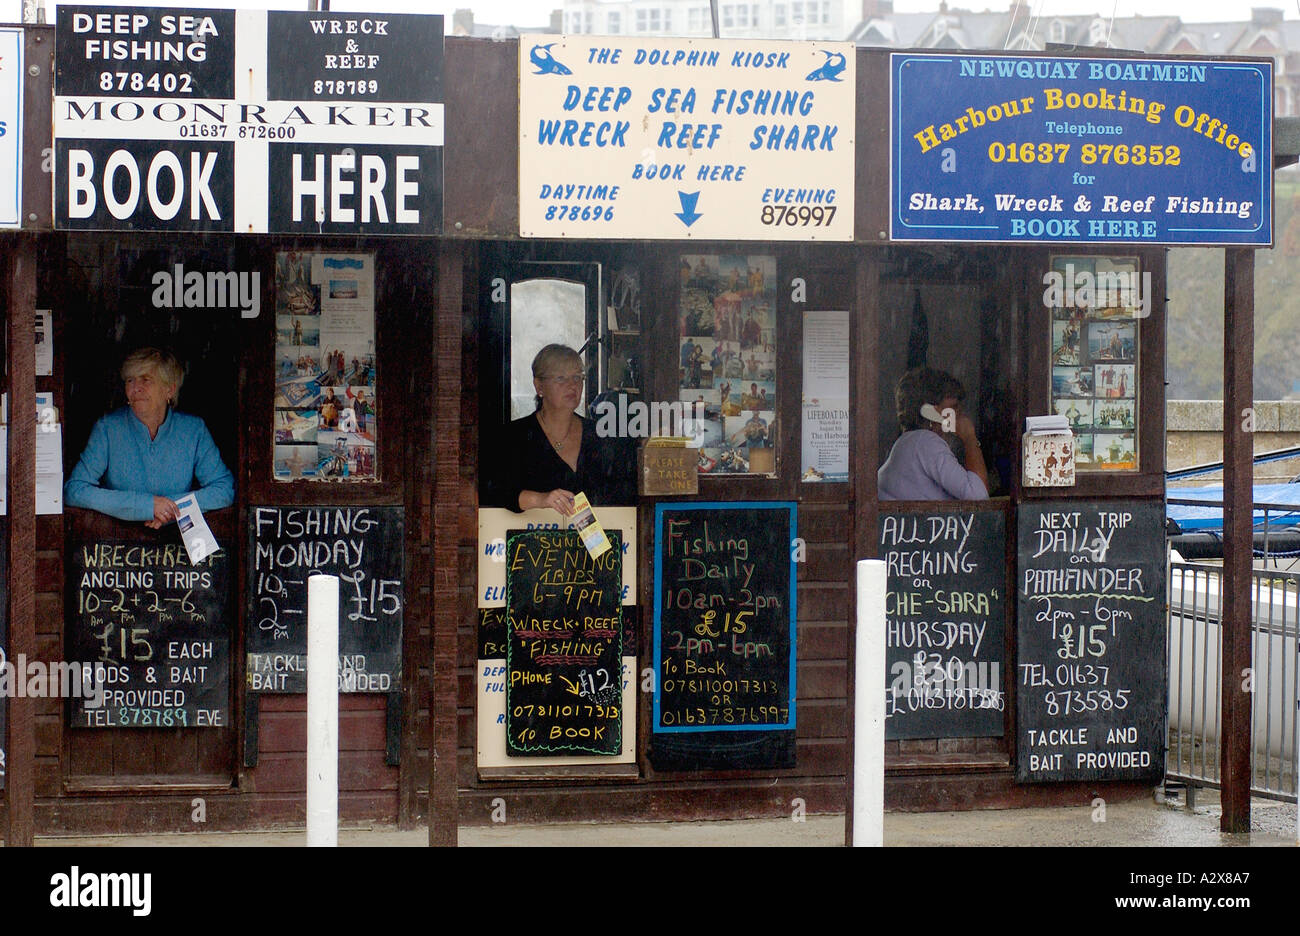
547,65
830,69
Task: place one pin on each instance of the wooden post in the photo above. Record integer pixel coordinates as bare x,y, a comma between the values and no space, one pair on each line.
864,329
20,779
1238,539
444,804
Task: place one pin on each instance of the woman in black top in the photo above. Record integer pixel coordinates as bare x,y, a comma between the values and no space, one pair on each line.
554,453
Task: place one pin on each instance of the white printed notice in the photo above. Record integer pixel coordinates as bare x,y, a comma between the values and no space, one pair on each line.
685,138
195,532
826,396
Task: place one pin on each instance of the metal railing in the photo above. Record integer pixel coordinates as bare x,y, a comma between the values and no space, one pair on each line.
1195,687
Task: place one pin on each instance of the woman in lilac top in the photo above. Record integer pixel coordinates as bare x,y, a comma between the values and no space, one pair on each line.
142,458
921,466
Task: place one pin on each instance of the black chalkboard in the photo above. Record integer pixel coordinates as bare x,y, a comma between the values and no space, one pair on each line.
1091,673
364,547
564,648
945,624
724,648
156,628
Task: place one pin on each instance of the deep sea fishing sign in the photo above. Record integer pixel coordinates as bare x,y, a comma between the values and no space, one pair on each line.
1083,150
171,119
685,138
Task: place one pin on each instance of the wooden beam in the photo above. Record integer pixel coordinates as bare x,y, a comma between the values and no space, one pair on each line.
1238,539
20,779
443,806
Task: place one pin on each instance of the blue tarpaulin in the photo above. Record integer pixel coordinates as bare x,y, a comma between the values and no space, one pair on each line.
1211,518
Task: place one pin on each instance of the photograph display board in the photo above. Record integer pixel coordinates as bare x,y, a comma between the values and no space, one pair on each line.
724,635
159,628
727,361
326,421
1046,149
1096,305
669,138
1091,699
363,546
170,119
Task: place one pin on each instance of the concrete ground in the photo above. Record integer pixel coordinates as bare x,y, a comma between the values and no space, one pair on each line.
1145,822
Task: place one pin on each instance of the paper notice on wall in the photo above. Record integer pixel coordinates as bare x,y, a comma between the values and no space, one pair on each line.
44,343
826,396
49,469
195,532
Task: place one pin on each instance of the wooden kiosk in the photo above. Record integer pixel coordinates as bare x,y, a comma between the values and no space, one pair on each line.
810,330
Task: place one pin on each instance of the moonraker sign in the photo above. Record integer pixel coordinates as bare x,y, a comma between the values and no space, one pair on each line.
1081,150
685,138
173,119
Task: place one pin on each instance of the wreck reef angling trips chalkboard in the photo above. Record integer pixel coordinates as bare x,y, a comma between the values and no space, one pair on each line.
564,655
724,637
1090,678
153,629
363,546
945,623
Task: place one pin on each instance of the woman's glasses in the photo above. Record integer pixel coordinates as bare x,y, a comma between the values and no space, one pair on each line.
575,380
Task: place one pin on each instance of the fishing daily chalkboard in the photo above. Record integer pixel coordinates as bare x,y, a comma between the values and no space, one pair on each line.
156,628
724,638
1090,678
945,623
564,648
363,546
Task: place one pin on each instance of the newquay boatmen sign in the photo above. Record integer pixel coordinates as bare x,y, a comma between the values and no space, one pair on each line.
1085,150
250,121
685,138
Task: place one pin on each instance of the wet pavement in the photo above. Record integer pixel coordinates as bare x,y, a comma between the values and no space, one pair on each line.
1146,822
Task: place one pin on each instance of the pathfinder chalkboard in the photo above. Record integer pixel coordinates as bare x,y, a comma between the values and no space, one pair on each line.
724,648
158,630
364,547
564,651
1091,696
946,613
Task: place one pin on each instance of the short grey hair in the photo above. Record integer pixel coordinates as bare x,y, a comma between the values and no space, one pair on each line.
162,364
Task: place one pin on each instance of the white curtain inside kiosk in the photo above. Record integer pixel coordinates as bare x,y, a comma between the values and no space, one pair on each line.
542,312
494,528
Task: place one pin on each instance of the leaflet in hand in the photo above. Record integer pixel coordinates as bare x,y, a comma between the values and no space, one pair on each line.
584,521
195,534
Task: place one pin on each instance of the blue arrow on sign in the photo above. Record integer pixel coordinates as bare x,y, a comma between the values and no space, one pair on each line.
688,215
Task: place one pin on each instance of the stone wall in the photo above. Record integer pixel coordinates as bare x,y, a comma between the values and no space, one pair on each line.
1194,436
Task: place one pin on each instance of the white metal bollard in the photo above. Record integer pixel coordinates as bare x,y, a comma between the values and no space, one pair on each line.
869,708
322,711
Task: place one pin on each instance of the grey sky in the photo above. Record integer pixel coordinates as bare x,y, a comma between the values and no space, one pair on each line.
536,12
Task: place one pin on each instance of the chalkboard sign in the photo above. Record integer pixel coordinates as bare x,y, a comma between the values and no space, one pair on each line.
945,623
364,547
155,628
724,638
1090,677
564,649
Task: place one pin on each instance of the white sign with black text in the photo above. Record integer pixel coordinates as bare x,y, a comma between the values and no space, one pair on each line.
248,121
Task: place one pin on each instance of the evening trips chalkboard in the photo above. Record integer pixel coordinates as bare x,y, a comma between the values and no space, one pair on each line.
564,648
363,546
945,623
1090,677
724,650
157,628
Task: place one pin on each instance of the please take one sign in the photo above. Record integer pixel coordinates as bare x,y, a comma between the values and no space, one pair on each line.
1039,149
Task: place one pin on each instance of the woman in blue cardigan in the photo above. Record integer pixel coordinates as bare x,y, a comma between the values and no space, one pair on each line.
142,458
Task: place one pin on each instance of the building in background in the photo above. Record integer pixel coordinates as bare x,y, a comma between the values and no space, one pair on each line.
764,19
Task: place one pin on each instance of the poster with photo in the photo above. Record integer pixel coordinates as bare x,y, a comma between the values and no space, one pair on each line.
727,353
1096,304
325,417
